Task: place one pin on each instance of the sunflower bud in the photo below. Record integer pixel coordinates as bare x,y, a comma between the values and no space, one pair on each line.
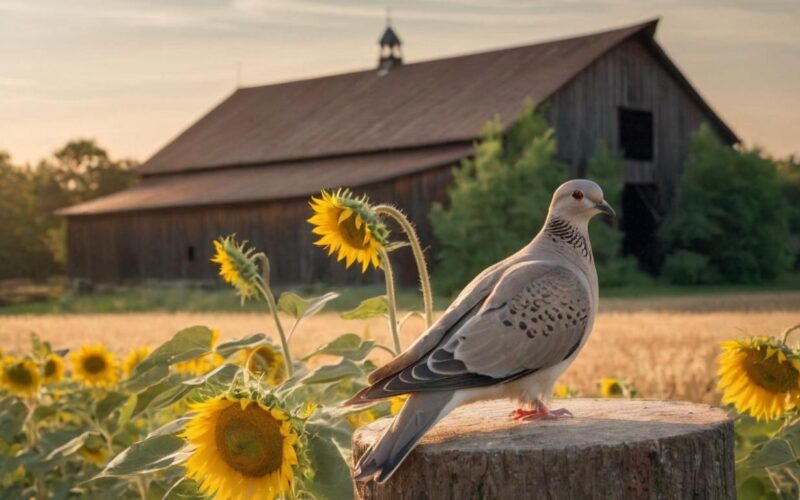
237,265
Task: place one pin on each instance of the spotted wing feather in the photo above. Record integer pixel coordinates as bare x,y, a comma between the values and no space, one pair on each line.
535,317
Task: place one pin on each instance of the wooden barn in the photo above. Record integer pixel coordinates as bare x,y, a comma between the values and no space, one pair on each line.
393,132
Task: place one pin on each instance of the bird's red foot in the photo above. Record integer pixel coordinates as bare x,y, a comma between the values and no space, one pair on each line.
540,412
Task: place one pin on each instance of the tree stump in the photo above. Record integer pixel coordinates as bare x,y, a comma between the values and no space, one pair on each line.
612,449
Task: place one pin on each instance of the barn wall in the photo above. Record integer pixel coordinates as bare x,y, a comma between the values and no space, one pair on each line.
586,109
135,246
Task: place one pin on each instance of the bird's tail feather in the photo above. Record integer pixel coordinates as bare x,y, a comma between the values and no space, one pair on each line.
420,412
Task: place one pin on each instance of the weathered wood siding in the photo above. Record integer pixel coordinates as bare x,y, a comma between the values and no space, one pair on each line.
135,246
586,110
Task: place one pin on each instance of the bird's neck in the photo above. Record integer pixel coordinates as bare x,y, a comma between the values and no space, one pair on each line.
568,238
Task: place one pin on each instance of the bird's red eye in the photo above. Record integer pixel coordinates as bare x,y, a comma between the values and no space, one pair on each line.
578,195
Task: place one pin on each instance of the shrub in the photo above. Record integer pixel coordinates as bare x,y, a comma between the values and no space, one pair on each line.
607,169
498,200
685,267
789,171
729,209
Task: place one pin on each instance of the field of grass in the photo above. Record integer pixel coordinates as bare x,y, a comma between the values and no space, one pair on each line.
665,346
162,298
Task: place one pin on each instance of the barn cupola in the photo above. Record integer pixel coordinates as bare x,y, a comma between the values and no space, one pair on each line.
391,52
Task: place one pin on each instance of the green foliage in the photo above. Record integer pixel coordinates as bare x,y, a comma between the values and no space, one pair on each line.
789,172
689,268
730,209
498,200
33,243
25,242
767,458
607,170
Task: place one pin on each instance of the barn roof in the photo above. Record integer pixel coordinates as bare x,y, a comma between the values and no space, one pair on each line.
363,119
272,182
433,102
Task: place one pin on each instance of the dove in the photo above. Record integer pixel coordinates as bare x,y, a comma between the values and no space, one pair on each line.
510,333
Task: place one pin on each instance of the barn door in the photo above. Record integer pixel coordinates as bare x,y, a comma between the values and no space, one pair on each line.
640,221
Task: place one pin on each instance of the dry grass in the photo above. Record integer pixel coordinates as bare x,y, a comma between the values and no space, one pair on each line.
665,347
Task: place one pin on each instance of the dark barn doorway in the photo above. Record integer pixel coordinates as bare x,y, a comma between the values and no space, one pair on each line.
640,220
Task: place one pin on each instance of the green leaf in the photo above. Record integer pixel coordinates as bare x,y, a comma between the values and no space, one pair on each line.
189,343
108,404
154,453
70,446
184,489
299,307
369,308
12,418
349,346
331,469
147,377
173,427
772,454
145,397
225,349
331,373
127,410
221,375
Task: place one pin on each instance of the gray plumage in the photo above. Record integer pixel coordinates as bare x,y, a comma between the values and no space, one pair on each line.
510,333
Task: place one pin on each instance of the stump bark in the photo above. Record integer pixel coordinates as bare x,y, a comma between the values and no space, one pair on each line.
612,449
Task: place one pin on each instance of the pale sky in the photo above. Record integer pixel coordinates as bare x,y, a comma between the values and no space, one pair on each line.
133,74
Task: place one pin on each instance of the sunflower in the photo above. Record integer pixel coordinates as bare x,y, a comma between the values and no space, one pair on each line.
759,376
133,358
20,376
563,391
96,456
611,387
53,368
264,361
397,403
242,449
364,417
349,225
237,265
94,366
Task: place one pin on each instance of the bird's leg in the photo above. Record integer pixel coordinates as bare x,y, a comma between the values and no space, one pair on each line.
539,411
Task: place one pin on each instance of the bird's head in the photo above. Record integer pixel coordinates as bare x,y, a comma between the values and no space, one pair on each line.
579,199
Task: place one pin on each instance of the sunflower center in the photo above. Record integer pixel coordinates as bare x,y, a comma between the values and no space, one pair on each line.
614,389
94,364
771,374
262,359
49,368
249,440
352,235
19,374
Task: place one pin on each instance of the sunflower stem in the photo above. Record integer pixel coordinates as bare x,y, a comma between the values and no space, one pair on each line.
419,257
386,265
788,331
270,298
385,348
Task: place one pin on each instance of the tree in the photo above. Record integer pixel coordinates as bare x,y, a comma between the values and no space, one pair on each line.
730,213
607,169
498,200
23,249
33,242
789,171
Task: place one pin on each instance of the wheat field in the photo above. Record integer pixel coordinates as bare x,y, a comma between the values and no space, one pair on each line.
665,347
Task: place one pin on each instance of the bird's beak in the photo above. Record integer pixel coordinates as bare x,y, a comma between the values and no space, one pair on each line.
605,208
